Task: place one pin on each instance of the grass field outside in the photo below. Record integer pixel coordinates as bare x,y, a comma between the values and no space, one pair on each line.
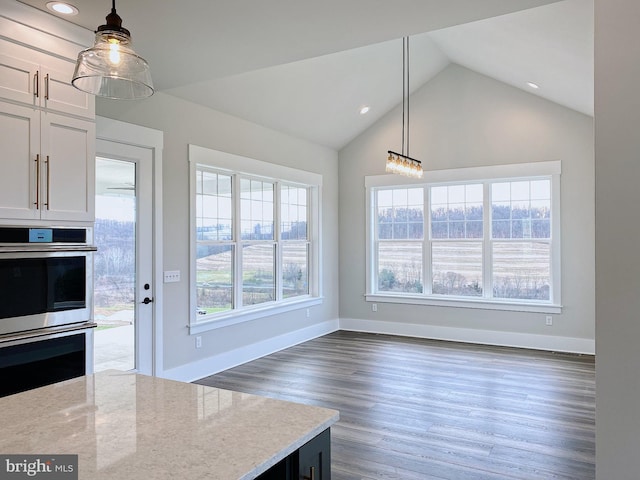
521,269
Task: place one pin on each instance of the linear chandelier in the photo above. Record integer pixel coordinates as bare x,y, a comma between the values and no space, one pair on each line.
402,163
111,68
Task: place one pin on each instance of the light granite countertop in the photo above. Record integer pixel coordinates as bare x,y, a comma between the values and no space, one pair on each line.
129,426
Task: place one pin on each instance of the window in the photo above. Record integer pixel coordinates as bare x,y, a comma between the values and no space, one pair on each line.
400,234
457,236
214,240
294,240
471,237
255,241
258,241
521,239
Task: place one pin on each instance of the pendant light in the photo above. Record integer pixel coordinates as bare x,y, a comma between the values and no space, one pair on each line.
402,163
111,68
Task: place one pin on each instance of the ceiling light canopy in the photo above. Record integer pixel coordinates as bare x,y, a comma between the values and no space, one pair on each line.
402,163
535,86
364,109
111,68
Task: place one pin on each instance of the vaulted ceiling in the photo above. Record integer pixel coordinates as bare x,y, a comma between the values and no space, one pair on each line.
306,67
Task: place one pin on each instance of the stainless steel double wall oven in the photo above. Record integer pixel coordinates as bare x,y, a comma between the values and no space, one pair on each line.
46,306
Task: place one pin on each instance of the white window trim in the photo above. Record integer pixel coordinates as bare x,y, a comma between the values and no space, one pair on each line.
470,174
236,164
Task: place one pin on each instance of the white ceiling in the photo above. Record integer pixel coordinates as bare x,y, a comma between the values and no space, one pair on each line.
306,67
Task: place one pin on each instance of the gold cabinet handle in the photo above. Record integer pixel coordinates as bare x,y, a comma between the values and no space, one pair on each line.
312,474
46,87
37,202
48,162
36,84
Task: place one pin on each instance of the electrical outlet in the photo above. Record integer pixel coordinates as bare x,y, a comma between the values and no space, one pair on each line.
198,341
308,313
549,321
171,276
374,307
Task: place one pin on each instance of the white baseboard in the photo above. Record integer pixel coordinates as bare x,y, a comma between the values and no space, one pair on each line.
469,335
217,363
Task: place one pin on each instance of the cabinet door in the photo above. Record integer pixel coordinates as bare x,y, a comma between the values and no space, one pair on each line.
314,458
18,78
58,94
20,147
67,177
42,80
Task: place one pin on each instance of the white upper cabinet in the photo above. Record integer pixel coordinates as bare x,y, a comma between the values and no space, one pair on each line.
67,178
41,80
48,167
47,127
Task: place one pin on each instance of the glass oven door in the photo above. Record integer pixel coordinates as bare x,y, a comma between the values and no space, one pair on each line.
42,289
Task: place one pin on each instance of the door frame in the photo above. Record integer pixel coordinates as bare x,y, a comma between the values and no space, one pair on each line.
136,135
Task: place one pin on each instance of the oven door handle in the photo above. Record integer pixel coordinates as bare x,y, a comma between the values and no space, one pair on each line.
45,249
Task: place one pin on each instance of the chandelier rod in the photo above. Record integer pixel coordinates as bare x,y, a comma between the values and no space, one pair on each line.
408,93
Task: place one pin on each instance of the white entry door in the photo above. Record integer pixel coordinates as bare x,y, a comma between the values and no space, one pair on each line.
124,301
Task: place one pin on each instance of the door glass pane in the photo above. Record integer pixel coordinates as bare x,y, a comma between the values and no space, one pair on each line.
115,265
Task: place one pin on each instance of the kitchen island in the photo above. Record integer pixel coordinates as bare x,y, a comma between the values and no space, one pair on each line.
126,425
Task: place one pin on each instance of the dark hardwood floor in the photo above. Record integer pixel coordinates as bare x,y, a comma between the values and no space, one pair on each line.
415,409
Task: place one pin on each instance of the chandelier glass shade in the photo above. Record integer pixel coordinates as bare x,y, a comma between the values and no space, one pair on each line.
403,165
111,68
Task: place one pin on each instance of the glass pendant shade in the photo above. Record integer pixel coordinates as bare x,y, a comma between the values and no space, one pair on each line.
111,68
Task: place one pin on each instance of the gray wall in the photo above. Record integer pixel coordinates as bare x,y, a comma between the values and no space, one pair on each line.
617,148
184,123
464,119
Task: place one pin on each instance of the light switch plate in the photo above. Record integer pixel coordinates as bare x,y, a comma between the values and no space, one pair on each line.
171,276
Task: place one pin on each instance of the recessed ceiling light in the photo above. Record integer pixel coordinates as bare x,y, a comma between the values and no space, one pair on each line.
62,8
364,109
533,85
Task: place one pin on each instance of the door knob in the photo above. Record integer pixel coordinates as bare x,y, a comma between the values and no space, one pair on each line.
147,300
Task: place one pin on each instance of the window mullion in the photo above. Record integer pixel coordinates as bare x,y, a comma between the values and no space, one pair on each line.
278,270
427,266
487,245
237,242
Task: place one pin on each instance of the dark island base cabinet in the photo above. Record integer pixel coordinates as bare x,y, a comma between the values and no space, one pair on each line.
311,462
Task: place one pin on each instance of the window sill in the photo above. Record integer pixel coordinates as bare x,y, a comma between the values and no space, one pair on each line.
253,313
477,303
